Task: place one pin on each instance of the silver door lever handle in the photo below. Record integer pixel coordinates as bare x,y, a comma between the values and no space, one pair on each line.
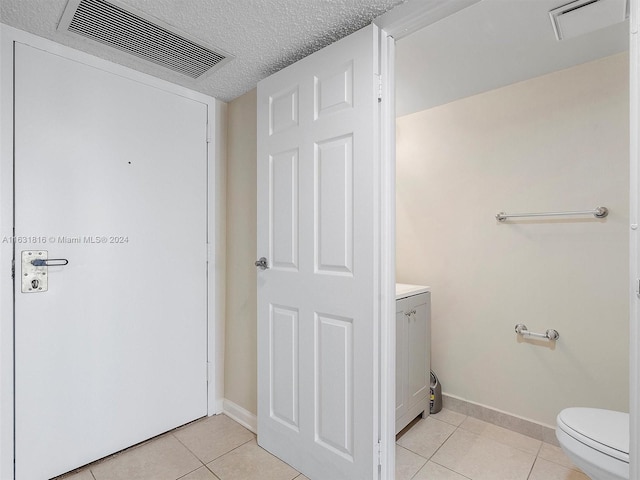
49,262
262,264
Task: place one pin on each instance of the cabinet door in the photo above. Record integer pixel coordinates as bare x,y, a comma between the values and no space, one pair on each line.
417,349
401,362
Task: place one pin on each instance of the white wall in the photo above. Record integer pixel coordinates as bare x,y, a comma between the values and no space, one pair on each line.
241,347
557,142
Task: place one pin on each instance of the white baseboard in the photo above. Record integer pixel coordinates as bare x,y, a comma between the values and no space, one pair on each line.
240,415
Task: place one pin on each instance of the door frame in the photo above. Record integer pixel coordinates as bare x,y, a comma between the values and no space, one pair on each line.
634,242
414,15
397,23
213,251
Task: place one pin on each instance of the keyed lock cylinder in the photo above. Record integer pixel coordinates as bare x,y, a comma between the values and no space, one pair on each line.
35,270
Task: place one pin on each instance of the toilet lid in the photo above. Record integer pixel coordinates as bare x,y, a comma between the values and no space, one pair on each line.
604,430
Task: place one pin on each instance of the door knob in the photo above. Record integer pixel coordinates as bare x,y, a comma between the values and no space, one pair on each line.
262,264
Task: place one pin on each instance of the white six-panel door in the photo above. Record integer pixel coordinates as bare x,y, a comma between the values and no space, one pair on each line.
110,174
318,301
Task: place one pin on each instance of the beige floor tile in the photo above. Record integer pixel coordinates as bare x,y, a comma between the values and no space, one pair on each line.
203,473
426,436
482,458
301,477
81,475
212,437
556,455
250,462
449,416
502,435
545,470
433,471
164,458
407,463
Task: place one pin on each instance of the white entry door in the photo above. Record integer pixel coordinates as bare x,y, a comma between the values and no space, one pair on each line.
111,175
318,300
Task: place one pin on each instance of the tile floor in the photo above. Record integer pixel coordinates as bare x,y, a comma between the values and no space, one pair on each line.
445,446
451,446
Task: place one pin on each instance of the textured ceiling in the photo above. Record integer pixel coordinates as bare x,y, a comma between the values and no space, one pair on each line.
264,35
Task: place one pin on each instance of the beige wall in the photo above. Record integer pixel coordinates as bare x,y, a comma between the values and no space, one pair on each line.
240,347
557,142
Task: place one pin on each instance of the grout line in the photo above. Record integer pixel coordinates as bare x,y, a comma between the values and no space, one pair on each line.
539,449
411,451
233,449
298,474
435,417
447,468
442,444
415,453
217,477
531,469
219,456
189,473
571,467
421,467
436,451
188,449
505,442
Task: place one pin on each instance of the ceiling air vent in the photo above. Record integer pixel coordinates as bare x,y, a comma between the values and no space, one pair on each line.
584,16
119,26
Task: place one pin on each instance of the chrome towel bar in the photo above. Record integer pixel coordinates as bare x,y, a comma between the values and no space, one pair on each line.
598,212
550,334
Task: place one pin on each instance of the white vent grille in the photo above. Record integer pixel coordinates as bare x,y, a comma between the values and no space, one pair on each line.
119,27
580,17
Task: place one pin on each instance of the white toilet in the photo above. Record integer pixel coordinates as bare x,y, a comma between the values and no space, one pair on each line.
596,441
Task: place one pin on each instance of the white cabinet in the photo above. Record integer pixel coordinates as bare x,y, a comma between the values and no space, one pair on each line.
413,353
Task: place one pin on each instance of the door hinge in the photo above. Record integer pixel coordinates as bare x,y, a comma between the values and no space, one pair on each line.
208,372
379,448
209,252
208,132
13,269
379,88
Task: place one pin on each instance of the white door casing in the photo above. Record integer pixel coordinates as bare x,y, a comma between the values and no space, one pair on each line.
110,174
322,301
634,244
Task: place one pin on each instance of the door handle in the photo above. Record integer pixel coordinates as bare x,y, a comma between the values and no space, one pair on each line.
262,264
49,262
34,273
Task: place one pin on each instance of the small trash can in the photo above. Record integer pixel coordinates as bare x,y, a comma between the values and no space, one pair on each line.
435,405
